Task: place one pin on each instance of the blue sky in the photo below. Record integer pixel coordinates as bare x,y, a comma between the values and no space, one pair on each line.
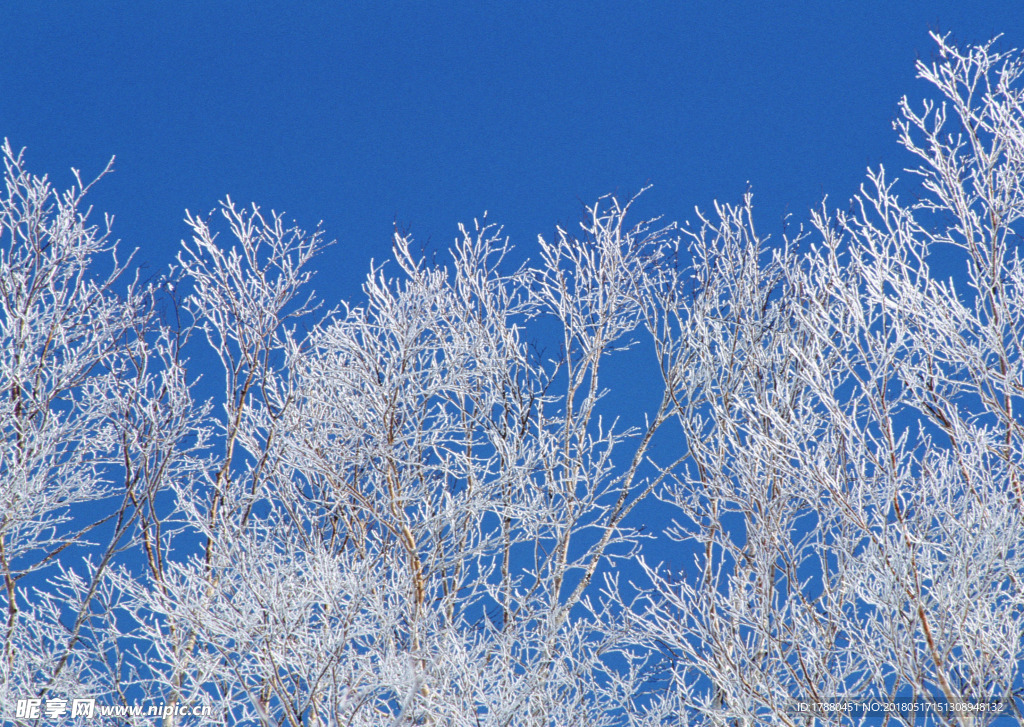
426,114
363,115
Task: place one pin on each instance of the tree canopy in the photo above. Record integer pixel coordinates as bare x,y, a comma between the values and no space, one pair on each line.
427,506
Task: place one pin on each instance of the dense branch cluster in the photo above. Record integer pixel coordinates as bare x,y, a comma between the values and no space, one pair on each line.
428,508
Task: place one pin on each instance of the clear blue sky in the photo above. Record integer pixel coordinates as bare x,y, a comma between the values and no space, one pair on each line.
425,113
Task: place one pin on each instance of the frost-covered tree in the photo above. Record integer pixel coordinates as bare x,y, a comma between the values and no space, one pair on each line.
422,508
97,422
852,506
